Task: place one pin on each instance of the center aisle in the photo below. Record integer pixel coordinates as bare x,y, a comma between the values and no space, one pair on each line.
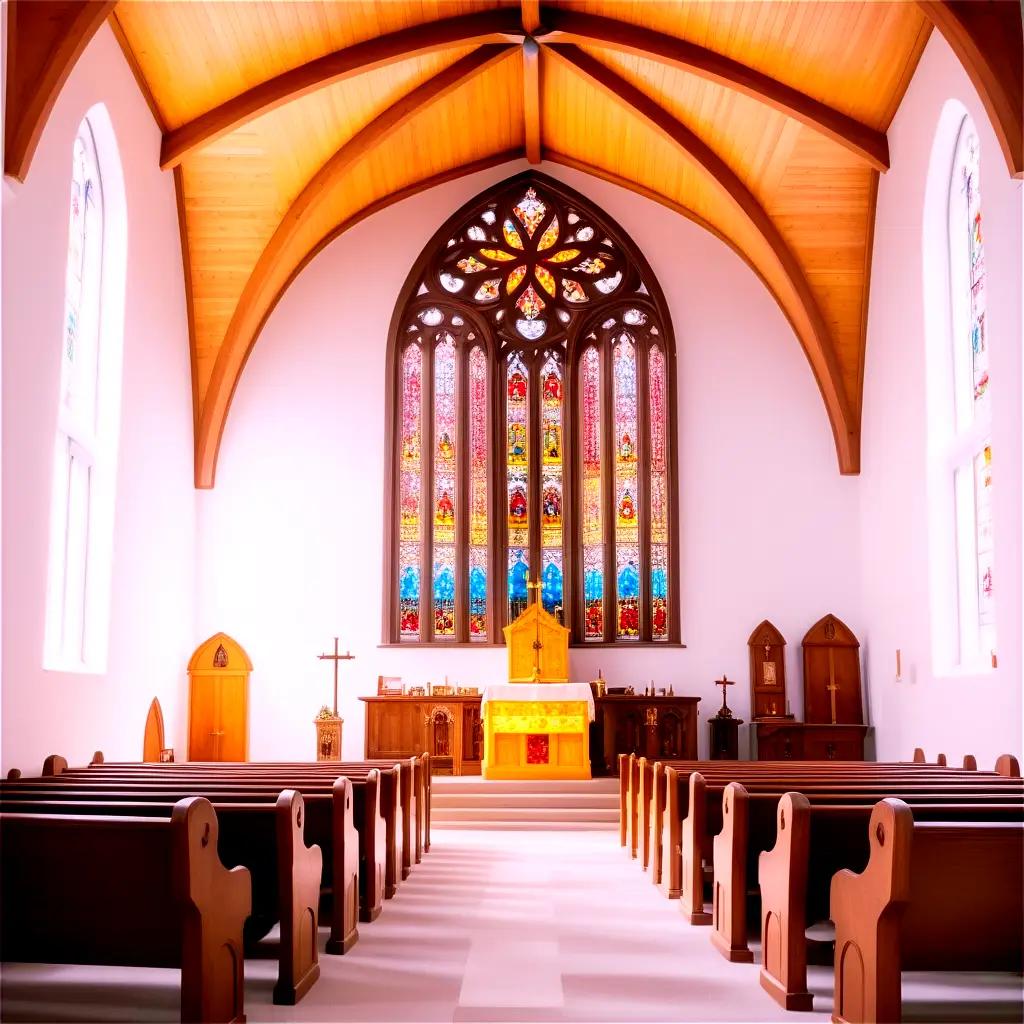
527,926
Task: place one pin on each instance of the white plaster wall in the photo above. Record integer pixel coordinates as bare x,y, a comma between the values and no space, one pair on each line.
290,550
153,586
979,713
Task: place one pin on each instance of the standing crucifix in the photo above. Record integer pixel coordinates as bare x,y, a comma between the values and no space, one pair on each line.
534,585
336,657
723,711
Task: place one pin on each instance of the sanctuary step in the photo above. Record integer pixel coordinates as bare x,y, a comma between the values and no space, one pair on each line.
472,803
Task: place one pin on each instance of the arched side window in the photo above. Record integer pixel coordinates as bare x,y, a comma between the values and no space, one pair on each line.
968,447
88,412
532,428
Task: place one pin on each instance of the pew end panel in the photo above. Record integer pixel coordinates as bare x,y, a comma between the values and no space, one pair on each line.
1008,765
729,886
694,826
300,869
374,849
670,881
782,876
623,798
345,870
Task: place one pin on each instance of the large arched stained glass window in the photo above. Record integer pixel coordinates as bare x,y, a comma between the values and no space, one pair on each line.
533,428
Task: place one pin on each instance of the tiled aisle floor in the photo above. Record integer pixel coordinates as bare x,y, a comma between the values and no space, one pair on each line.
492,926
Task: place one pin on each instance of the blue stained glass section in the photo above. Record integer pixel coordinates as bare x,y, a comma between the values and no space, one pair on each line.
518,576
629,582
409,585
551,589
659,583
477,589
444,585
593,586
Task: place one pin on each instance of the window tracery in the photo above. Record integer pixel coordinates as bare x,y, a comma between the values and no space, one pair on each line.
532,320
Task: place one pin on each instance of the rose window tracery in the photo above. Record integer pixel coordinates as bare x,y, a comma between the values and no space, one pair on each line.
531,265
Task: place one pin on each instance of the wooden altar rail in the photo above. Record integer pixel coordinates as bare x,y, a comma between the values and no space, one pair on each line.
153,892
934,896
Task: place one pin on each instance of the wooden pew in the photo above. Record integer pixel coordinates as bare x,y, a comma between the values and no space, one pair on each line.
934,896
744,824
132,892
267,840
814,841
354,855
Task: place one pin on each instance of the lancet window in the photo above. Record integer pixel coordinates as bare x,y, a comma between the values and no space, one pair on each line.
533,429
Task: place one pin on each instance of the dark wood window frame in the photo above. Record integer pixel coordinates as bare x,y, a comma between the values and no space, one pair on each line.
588,324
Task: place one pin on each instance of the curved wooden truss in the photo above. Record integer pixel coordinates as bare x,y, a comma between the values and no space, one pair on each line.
846,150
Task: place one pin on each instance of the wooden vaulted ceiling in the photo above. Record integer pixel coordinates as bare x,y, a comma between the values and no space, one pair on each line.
285,123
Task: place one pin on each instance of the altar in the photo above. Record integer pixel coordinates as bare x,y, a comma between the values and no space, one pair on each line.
537,726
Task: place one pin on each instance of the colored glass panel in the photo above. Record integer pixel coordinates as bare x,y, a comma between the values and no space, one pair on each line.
592,525
410,530
477,411
627,505
659,493
550,236
530,211
976,268
444,494
551,498
517,457
983,521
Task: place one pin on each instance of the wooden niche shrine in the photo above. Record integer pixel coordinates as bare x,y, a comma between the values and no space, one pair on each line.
218,711
832,674
767,674
538,647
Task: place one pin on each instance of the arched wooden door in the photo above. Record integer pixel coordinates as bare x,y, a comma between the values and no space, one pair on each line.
218,710
153,738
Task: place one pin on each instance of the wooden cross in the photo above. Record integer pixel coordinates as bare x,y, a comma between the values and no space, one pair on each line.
724,711
833,689
336,657
533,585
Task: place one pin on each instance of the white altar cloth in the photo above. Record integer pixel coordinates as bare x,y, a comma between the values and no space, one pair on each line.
539,691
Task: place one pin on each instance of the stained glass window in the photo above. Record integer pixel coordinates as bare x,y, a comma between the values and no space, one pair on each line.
659,492
969,444
410,480
532,361
551,535
627,528
478,494
593,496
517,461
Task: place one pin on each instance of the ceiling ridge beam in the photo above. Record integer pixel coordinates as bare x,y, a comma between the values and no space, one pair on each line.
531,100
568,26
803,310
988,40
44,41
260,293
501,26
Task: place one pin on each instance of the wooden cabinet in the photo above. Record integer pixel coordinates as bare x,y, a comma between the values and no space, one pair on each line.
218,716
802,741
652,727
724,738
448,728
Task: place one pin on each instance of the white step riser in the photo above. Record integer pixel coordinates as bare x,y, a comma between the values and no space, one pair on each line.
523,826
523,800
519,814
469,784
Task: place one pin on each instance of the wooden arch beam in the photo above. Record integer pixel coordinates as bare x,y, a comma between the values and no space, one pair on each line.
44,40
800,304
500,26
987,37
265,284
564,25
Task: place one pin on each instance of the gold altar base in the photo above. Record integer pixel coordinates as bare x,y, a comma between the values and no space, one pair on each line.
509,727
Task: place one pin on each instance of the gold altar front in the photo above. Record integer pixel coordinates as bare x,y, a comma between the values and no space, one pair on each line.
536,739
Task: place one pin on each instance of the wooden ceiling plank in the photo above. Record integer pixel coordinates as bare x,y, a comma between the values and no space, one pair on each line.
989,41
260,294
530,13
811,327
531,100
499,26
44,41
569,26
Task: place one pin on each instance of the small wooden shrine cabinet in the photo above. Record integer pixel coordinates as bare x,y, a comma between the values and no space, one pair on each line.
832,674
767,673
218,710
800,741
651,727
448,728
